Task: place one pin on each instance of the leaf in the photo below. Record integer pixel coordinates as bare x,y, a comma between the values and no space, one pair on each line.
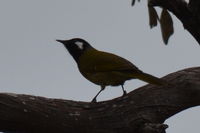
166,24
153,16
133,2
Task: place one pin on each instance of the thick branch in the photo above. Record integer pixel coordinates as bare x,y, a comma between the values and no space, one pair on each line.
141,111
188,14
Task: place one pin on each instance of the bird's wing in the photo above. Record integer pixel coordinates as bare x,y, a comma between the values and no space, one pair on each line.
98,61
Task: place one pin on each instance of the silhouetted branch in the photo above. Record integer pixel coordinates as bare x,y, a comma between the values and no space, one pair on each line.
142,111
188,14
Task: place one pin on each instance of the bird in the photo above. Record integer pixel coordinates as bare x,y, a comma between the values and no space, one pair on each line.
103,68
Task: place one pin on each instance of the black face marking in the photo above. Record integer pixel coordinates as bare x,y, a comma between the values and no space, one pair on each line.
76,47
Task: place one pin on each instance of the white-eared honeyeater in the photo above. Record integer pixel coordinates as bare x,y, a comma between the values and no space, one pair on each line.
104,68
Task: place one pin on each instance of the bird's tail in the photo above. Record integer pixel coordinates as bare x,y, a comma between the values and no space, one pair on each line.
150,79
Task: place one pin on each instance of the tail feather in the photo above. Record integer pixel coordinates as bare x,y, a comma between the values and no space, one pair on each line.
150,79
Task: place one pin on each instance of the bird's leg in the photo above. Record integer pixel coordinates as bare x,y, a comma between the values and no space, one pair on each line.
94,100
124,92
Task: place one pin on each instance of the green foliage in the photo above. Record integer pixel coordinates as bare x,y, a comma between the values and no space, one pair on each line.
165,20
166,25
153,17
133,2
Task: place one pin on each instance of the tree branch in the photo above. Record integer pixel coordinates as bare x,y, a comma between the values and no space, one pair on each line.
142,111
188,14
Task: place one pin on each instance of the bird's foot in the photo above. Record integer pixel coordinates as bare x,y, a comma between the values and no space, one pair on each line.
124,93
94,100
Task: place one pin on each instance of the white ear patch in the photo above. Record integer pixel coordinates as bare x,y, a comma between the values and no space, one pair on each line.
79,44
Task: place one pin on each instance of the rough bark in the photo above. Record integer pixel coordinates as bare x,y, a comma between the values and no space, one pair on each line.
142,111
187,13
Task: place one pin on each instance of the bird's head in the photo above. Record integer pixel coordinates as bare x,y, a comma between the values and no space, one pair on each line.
76,47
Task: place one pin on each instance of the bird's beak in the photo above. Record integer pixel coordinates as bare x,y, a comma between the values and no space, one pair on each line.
61,41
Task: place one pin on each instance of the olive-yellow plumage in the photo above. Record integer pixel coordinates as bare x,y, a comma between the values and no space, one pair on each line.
104,68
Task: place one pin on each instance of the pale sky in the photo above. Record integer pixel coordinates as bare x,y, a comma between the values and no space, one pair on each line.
32,62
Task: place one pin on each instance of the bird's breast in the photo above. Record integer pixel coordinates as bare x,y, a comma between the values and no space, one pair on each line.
99,68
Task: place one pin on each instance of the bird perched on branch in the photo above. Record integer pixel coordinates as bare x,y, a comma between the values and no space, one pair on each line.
104,68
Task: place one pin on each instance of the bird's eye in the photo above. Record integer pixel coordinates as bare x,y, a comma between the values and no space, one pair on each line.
79,44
